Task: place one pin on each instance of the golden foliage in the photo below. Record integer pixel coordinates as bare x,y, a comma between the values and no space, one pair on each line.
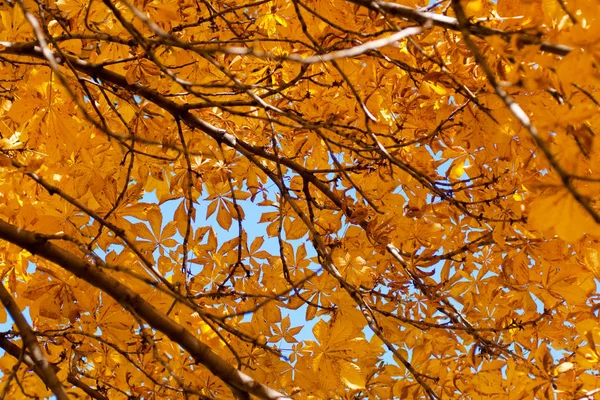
300,199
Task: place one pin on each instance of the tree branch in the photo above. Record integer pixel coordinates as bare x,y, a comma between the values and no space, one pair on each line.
30,341
15,351
443,21
201,353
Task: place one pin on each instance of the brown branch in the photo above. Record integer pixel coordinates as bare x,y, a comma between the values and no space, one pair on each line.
445,22
189,202
13,373
15,351
30,341
201,353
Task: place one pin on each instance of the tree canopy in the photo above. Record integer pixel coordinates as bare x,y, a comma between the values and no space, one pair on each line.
300,199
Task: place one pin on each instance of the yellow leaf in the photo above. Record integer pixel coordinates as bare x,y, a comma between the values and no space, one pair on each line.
224,218
559,213
311,311
420,354
256,244
564,367
155,219
280,20
473,6
352,376
212,207
591,257
457,169
180,218
296,229
49,309
437,88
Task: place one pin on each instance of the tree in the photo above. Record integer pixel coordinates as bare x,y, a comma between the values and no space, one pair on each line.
299,199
